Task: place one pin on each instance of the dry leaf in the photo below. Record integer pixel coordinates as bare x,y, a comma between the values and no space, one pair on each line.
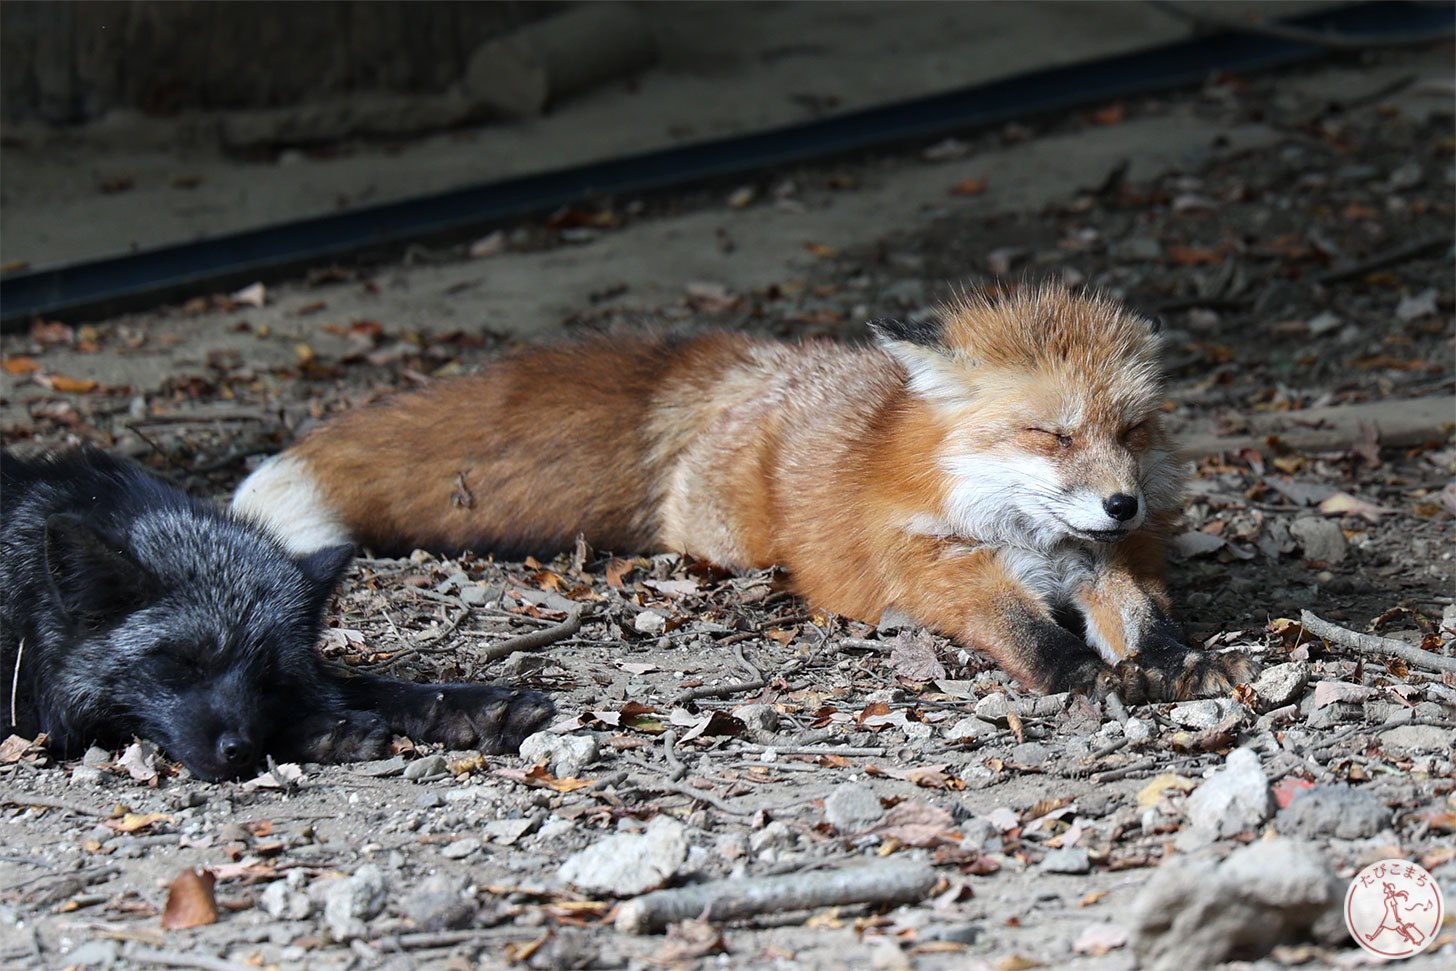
1328,692
1344,504
1113,114
20,365
539,775
66,384
1017,962
918,824
190,902
913,656
1098,939
821,251
253,295
1149,794
136,822
968,187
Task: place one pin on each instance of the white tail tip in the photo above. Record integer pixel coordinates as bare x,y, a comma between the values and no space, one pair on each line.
282,497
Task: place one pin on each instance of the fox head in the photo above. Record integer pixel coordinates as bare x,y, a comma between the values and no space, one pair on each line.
1048,411
194,631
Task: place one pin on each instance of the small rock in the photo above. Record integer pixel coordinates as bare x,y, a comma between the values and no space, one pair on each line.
87,775
759,719
507,831
474,595
282,900
379,768
566,755
1139,731
96,757
461,848
1049,706
968,729
1281,684
1194,913
1031,753
351,901
1070,860
628,864
1321,539
1197,715
650,622
430,765
1419,738
429,800
439,904
852,808
1338,811
1139,248
774,837
1233,799
994,708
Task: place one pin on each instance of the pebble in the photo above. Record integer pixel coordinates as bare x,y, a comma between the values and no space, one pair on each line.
627,864
969,729
1031,753
283,900
428,766
96,757
774,837
1139,731
351,901
1338,811
566,755
474,595
1138,248
94,954
1419,738
87,775
439,904
1321,539
759,719
461,848
507,831
429,800
852,807
649,622
994,708
1070,860
1235,798
1281,684
1197,715
1196,913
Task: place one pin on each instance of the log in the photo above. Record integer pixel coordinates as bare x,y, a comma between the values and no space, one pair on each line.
1408,422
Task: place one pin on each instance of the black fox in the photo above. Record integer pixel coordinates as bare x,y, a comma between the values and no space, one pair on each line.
132,608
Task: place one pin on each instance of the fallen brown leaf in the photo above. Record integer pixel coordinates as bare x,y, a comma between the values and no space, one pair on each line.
190,902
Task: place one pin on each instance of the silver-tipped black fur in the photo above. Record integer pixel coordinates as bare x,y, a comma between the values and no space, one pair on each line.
131,608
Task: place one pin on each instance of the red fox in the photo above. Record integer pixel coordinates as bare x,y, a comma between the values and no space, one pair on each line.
998,473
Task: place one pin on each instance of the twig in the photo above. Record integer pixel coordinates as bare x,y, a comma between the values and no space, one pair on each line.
715,691
1300,35
669,739
1398,255
179,959
1374,646
49,802
1112,775
536,639
845,750
753,673
885,884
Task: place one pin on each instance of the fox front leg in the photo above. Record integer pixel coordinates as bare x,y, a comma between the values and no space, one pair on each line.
341,736
480,716
1127,622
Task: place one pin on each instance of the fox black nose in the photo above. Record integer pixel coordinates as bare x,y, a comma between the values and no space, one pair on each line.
1121,506
235,750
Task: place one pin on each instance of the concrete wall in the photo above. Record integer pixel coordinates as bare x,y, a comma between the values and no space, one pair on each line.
70,62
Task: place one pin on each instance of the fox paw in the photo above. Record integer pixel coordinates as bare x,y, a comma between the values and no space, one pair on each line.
484,717
347,736
1182,675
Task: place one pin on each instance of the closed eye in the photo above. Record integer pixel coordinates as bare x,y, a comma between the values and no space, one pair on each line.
1065,441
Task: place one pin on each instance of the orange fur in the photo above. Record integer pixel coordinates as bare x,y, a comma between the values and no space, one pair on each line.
959,472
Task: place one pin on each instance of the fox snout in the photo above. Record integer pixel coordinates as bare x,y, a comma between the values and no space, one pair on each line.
1121,506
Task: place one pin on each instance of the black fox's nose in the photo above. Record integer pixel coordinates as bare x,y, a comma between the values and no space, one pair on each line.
1121,506
235,750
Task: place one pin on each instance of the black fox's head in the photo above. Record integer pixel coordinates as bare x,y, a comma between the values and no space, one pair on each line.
192,630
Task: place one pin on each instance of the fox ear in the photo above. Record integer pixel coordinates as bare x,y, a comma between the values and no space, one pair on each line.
93,578
325,566
1156,324
921,351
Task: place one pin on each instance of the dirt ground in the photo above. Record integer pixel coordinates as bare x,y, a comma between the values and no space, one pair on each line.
1295,233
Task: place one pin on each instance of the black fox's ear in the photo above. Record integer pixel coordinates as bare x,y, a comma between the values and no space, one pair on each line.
93,578
1156,323
923,333
324,567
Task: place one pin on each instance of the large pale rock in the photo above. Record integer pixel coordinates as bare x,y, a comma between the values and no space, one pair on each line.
1235,798
628,864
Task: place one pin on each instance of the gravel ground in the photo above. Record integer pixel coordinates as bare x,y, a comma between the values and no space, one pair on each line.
714,727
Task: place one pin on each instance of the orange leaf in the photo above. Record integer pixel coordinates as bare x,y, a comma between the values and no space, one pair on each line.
968,187
60,382
190,902
133,822
1113,114
820,250
21,365
1192,255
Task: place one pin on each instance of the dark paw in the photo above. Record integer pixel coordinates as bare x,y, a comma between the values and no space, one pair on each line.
349,736
1202,674
483,717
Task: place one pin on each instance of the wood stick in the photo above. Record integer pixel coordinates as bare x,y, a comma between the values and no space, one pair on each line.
896,882
47,802
1373,646
536,639
714,691
181,959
